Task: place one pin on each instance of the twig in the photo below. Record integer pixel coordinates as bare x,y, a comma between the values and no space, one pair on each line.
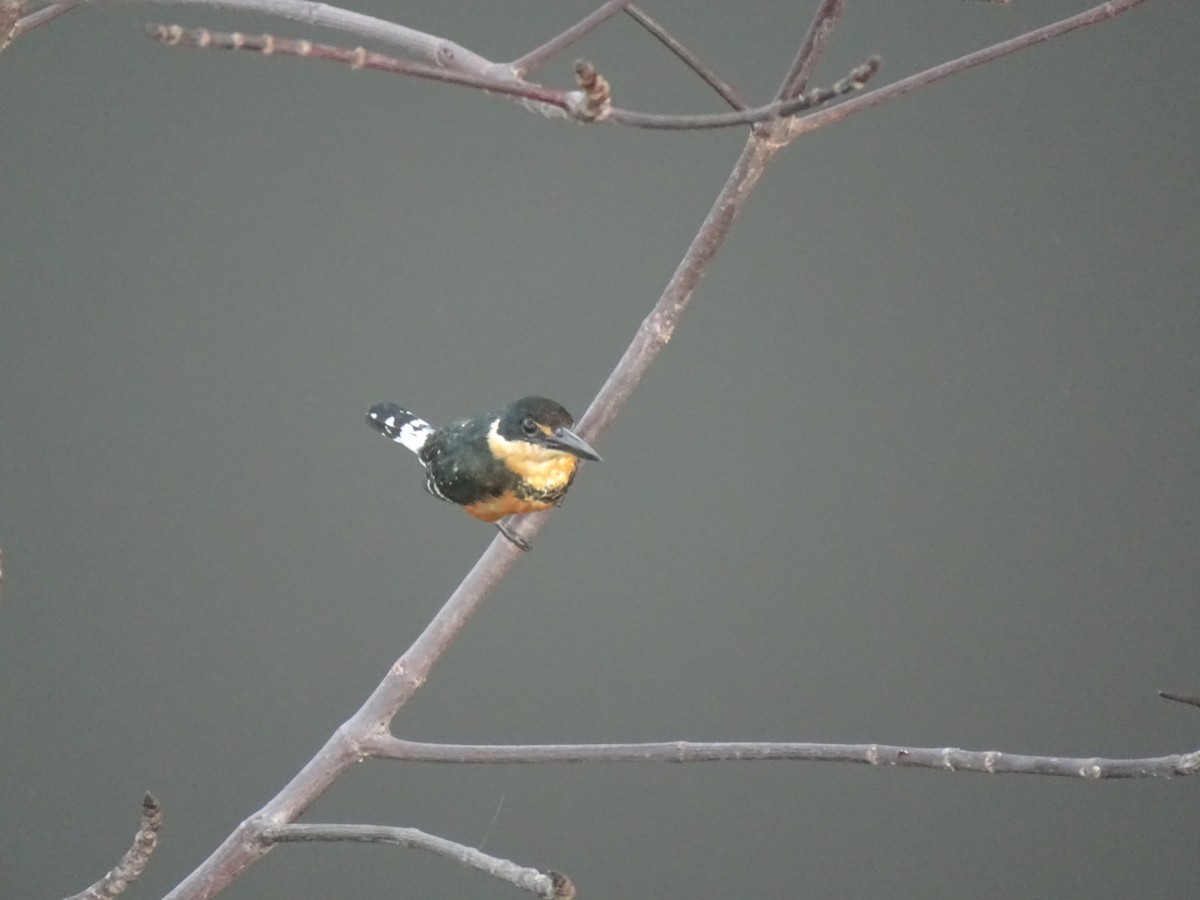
43,16
1188,699
526,879
690,59
345,746
10,15
590,104
781,109
357,58
946,759
1093,16
541,55
133,863
824,21
366,730
433,49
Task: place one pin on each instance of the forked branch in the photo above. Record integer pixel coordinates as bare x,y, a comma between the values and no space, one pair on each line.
579,105
366,734
1093,16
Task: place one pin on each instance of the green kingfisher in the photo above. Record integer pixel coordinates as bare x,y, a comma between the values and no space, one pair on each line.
519,459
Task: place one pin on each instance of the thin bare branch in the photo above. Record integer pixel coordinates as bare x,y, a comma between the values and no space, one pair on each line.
1187,699
43,16
526,879
821,29
133,863
359,58
366,731
780,109
690,59
539,56
346,746
945,759
10,15
547,99
589,104
434,49
1093,16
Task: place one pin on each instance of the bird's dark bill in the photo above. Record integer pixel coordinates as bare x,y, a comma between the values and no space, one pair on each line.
565,439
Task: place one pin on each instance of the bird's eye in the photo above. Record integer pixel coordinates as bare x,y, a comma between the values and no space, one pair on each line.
529,426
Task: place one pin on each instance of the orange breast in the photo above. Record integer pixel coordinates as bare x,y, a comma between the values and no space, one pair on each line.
492,509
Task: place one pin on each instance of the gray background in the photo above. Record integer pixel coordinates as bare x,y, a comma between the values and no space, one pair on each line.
920,466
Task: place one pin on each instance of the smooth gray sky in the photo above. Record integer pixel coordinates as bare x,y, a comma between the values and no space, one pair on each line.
920,465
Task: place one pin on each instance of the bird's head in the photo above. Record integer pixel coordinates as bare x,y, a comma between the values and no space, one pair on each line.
533,435
539,429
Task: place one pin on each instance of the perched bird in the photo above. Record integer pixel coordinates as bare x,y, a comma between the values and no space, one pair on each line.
517,460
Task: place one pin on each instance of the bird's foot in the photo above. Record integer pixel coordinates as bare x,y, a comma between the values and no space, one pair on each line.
513,536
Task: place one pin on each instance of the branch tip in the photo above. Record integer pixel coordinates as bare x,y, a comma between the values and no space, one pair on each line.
1188,699
152,810
133,863
544,885
561,886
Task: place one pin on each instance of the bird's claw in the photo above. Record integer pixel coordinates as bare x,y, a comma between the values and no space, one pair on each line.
513,536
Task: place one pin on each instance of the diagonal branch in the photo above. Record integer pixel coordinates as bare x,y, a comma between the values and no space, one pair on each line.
42,16
10,17
347,746
1093,16
819,32
690,59
366,731
946,759
539,56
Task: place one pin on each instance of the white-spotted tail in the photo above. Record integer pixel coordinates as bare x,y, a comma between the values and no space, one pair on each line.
399,425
